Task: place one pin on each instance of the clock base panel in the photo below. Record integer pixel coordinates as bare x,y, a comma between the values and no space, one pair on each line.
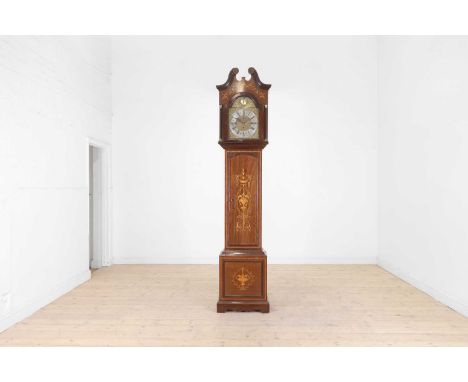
243,281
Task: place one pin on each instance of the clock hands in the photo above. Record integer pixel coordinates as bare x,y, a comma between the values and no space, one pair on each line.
244,122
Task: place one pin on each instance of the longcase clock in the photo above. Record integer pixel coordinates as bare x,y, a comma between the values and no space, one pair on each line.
243,132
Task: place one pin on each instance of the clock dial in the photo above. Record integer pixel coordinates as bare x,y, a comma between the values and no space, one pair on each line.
243,119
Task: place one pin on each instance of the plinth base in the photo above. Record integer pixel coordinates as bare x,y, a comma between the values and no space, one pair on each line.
243,306
243,281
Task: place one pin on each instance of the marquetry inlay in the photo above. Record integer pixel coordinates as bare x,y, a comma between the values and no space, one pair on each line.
243,195
243,278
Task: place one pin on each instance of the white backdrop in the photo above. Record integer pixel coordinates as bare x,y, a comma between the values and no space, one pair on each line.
319,179
423,157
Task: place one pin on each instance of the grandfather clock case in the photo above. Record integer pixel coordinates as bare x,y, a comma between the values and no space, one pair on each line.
243,111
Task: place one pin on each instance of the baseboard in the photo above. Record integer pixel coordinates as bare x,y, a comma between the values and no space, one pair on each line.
271,260
437,294
165,260
322,260
43,300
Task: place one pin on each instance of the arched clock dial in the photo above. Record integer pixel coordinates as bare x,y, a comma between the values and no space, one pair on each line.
243,119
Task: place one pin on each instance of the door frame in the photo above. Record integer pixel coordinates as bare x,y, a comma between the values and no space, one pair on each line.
106,205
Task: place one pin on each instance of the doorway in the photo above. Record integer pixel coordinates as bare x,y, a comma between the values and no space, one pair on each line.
99,253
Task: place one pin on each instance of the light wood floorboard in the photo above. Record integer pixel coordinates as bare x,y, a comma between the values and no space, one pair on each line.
175,305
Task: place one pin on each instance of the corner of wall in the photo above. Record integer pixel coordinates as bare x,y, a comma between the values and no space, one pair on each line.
440,295
44,299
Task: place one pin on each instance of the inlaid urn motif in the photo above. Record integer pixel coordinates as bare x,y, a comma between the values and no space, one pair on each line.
244,182
243,278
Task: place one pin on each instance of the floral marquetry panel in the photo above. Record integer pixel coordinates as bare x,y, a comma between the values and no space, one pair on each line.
243,209
243,278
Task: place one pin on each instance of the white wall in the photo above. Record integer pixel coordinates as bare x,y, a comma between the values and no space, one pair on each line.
54,93
423,162
320,169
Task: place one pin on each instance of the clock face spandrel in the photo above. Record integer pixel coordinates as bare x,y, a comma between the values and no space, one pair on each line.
243,119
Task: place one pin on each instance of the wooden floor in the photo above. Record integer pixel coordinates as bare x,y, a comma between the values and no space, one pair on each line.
175,305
